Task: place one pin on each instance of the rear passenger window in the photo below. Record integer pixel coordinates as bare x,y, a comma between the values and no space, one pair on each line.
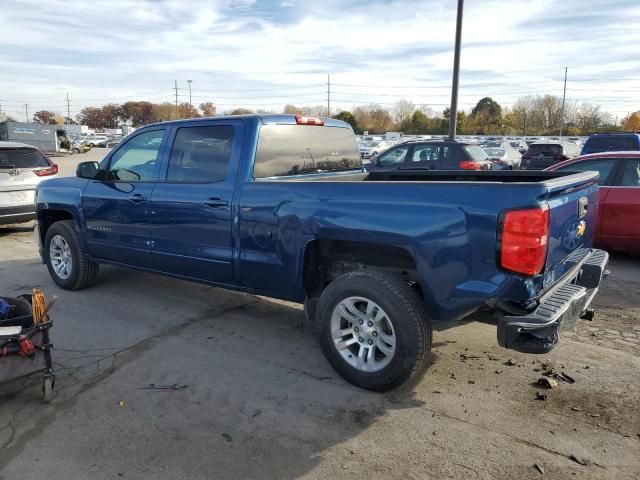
426,153
200,154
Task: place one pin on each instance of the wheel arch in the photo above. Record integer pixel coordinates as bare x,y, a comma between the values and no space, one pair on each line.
325,260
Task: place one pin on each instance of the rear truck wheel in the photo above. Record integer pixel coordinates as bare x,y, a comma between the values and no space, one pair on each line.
373,329
68,265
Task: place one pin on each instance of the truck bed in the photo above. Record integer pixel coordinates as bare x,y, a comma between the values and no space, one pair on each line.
549,179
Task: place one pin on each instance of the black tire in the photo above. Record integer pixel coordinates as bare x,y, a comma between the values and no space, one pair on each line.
406,312
83,270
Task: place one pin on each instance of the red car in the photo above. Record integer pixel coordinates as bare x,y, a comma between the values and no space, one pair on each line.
618,225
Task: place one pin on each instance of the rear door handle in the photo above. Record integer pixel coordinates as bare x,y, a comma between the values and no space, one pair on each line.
137,198
216,203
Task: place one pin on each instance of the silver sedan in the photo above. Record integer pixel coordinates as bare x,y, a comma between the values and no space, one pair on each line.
22,167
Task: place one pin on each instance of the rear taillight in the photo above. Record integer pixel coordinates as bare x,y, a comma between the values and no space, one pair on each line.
45,172
560,158
466,165
524,239
304,120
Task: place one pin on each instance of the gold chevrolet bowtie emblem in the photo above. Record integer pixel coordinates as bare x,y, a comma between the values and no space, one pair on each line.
582,226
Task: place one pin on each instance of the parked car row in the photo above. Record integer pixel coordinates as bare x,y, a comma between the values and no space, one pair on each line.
97,141
23,166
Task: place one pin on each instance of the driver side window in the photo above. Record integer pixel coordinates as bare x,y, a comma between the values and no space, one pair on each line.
135,161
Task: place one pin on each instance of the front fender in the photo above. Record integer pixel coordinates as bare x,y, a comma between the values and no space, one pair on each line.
59,198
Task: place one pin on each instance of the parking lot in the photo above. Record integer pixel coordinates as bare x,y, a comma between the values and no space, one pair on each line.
260,401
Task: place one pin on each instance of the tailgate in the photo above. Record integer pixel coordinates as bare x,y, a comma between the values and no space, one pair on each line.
573,204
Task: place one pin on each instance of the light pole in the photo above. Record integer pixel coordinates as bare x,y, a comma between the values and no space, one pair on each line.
453,113
190,106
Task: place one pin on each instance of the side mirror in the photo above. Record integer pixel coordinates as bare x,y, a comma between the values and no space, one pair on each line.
88,170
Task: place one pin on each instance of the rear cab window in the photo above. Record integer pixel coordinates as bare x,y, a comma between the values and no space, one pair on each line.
545,149
22,157
285,150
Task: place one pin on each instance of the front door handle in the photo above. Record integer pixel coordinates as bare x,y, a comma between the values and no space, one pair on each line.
216,203
137,198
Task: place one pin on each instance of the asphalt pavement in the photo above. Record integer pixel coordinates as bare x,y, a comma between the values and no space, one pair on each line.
260,401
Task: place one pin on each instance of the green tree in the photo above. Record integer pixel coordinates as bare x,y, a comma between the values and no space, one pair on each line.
461,122
419,124
349,118
488,115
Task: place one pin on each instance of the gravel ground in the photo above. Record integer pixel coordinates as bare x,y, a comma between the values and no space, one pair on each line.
261,402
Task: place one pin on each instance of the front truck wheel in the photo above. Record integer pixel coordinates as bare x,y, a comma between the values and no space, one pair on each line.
373,329
68,265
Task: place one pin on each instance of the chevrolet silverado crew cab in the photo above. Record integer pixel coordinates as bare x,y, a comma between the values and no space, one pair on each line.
279,205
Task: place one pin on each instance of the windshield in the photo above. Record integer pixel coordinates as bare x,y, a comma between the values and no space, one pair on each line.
545,149
304,149
22,158
476,153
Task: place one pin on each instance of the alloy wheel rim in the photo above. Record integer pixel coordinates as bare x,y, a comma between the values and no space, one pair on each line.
60,257
363,334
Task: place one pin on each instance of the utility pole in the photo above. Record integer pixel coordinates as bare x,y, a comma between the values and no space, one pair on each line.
26,111
564,94
453,114
328,95
189,82
176,89
68,109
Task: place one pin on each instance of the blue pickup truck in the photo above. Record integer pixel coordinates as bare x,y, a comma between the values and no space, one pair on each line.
279,205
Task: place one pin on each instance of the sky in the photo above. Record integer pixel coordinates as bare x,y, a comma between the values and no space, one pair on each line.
262,54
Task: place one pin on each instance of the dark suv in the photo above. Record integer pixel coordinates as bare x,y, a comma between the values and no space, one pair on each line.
611,142
432,155
543,154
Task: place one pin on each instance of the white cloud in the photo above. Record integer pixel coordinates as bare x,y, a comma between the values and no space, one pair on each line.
255,52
